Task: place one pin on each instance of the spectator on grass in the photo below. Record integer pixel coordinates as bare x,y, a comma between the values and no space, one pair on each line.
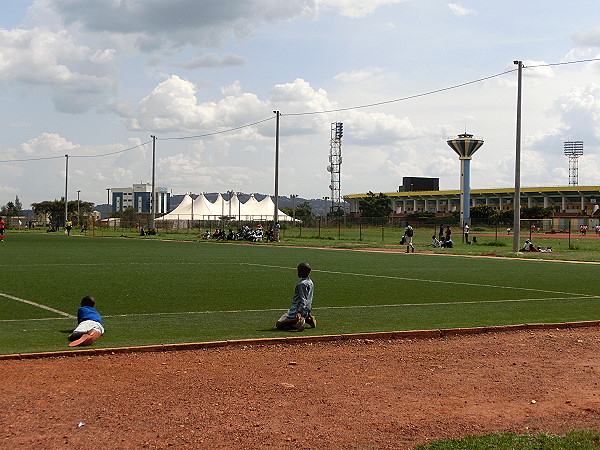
448,233
441,233
447,243
466,231
435,242
2,226
299,313
89,324
529,247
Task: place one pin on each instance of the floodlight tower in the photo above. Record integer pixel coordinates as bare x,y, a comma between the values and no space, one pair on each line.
465,146
573,150
335,164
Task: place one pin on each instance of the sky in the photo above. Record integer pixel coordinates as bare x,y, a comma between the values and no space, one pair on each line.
96,79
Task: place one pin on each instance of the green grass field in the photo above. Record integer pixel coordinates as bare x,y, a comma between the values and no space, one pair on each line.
159,292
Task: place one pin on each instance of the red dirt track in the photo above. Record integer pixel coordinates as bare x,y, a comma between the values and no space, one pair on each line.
361,393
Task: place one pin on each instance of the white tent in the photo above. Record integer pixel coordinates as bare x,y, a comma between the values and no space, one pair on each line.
203,209
183,207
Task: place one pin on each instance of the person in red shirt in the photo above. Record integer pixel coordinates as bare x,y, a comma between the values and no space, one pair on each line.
1,229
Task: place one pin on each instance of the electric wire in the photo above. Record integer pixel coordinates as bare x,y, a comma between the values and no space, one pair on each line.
306,113
216,132
386,102
76,156
111,153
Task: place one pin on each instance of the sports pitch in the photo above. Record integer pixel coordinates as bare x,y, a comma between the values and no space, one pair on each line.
164,292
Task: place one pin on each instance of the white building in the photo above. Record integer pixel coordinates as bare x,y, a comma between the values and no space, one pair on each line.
138,198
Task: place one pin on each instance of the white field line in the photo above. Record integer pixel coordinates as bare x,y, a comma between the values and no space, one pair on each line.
38,305
423,280
462,283
398,305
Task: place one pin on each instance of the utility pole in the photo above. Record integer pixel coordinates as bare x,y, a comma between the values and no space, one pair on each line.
107,205
276,212
152,196
66,186
517,201
78,217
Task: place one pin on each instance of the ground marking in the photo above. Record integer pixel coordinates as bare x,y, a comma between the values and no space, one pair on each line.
38,305
397,305
462,283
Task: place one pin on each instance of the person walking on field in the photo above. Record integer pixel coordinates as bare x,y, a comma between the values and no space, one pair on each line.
408,236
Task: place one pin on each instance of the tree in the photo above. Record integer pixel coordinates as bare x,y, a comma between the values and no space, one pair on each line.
336,213
482,212
128,216
303,213
12,209
375,206
537,212
55,209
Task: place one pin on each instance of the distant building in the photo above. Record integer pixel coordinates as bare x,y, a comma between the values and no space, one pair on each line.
138,198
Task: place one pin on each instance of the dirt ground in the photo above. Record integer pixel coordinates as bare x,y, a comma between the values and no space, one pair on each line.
345,394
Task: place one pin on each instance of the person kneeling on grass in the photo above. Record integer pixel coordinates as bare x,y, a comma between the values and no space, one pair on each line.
89,322
300,313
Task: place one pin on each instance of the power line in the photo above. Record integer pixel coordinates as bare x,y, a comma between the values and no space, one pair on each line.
217,132
563,63
31,159
369,105
76,156
386,102
111,153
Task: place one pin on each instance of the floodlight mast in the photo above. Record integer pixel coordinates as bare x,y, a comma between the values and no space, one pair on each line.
573,150
335,164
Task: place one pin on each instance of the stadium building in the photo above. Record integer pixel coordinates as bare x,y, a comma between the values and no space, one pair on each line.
572,201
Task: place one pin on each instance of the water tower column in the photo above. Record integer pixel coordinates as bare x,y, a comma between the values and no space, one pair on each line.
465,146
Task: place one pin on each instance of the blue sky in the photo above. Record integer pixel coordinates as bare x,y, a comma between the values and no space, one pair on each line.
101,76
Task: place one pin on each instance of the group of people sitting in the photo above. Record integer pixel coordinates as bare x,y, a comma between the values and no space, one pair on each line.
443,243
244,233
529,247
149,232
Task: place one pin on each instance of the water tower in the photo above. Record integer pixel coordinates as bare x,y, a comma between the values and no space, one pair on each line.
465,146
573,150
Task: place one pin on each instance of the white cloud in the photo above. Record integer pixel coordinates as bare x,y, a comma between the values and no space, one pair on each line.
214,61
358,75
356,8
173,106
459,10
8,190
580,112
48,144
590,38
76,76
157,25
